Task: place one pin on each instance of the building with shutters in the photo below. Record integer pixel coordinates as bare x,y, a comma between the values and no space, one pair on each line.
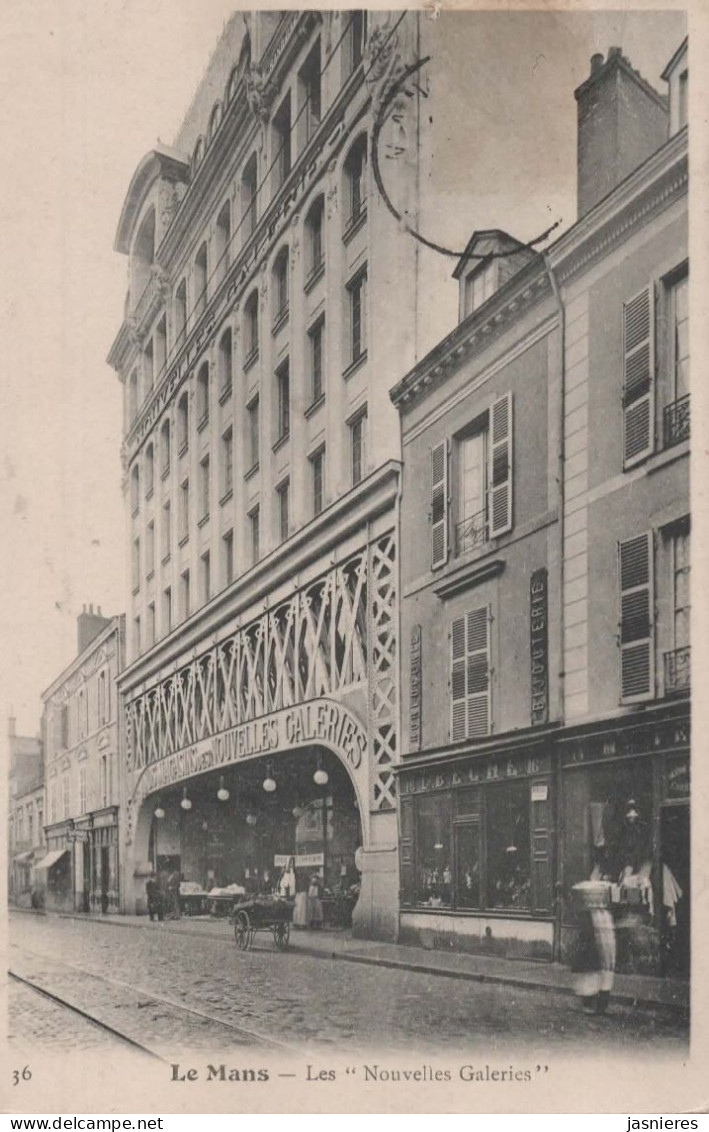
546,449
25,825
260,701
80,870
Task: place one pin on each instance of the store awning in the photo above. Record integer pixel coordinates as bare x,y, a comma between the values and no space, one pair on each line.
51,858
22,858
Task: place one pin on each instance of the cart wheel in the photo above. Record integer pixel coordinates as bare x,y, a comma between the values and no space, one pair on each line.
242,931
281,935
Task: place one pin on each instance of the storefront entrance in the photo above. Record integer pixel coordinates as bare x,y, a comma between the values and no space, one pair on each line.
674,853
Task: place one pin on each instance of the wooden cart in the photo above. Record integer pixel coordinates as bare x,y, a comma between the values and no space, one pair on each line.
262,914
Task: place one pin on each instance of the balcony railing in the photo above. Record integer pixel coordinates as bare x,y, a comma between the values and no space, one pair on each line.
675,422
471,532
677,671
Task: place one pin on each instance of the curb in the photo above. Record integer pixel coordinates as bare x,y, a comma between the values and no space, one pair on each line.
511,980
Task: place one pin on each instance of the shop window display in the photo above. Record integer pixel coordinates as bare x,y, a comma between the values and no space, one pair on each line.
433,852
468,865
507,821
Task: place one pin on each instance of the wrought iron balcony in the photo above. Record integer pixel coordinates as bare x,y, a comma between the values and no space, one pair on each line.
677,671
676,422
471,532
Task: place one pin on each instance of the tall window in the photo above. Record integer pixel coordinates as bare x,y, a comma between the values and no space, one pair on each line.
317,471
223,234
470,675
255,525
135,488
225,362
184,512
185,594
252,410
183,423
283,496
82,715
314,255
103,781
133,396
281,142
65,795
356,184
181,310
150,626
316,336
167,609
251,329
137,642
354,41
280,288
135,565
635,569
204,492
227,461
309,94
479,286
202,393
200,280
358,436
149,471
508,846
206,572
228,557
681,601
165,447
471,525
166,531
150,549
683,99
283,400
148,366
357,294
160,356
249,199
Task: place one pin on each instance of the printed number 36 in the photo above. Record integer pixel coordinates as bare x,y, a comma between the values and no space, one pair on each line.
21,1075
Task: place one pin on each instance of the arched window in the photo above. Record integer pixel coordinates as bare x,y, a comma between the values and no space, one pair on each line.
249,186
183,422
280,288
215,119
203,395
224,239
200,280
197,154
165,447
225,362
135,488
132,396
149,471
314,255
356,184
251,329
180,310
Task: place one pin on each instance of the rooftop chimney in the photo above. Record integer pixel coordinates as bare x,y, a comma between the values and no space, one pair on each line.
622,120
89,625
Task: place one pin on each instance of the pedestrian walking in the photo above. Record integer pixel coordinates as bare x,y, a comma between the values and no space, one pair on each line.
154,898
315,916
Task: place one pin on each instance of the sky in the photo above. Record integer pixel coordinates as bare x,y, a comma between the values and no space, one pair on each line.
87,87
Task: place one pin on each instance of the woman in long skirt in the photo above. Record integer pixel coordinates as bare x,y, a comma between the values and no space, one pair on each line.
595,964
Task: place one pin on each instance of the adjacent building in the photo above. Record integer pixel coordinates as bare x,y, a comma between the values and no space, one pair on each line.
80,870
26,813
260,704
545,615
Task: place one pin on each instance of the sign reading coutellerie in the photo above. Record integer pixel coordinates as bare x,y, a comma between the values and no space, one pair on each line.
321,721
415,690
539,645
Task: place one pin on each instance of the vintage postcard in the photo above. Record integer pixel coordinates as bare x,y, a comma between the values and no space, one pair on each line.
353,379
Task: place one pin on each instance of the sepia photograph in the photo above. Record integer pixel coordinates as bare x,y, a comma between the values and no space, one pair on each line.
347,621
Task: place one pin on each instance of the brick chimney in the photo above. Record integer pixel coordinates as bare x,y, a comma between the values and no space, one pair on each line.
89,625
622,120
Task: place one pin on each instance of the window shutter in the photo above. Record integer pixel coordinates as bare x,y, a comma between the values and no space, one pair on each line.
541,849
439,505
636,608
470,675
406,830
500,474
638,378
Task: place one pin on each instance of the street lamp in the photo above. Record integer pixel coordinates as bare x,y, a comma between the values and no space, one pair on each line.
321,777
269,782
222,792
185,803
158,812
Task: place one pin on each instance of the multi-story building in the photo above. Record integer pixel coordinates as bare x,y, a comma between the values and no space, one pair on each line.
26,812
545,710
261,474
80,716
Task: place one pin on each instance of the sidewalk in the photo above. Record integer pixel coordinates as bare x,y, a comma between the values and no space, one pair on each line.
633,990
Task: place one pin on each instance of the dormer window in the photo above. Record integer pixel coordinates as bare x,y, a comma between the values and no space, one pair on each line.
479,286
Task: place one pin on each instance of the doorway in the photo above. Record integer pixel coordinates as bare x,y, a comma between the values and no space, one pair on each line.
86,889
105,873
674,856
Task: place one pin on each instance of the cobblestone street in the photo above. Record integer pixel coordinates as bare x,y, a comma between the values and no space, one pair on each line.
299,1001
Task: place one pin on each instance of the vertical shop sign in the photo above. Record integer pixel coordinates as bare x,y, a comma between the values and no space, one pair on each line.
415,690
539,646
